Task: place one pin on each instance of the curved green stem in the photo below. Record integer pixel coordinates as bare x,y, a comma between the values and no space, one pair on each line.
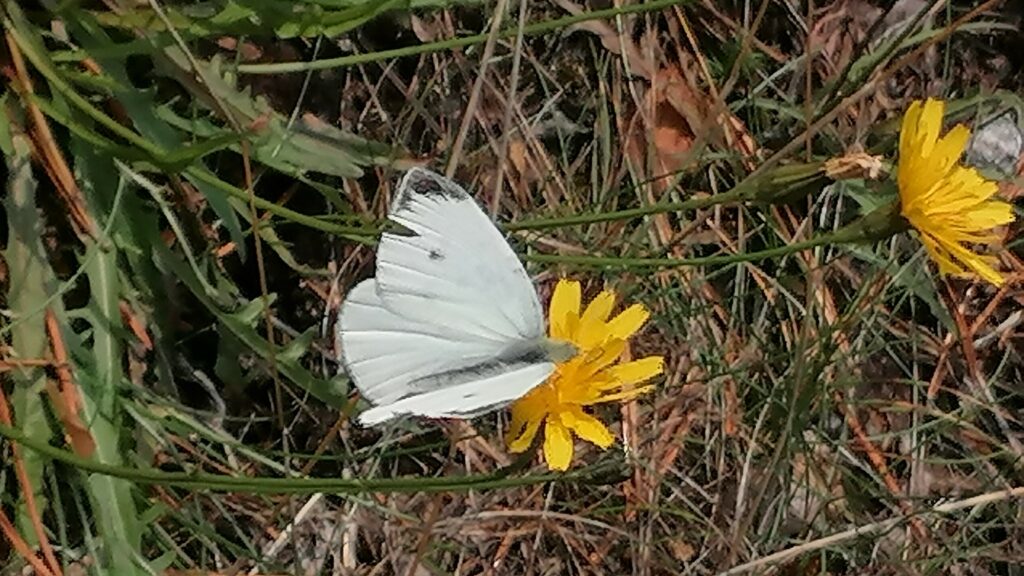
768,187
531,30
881,223
220,482
840,236
734,195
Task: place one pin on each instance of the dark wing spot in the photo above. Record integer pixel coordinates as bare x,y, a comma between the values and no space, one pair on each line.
426,183
436,254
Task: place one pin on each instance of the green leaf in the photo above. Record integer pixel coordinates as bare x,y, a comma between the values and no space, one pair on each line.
138,104
161,563
178,160
298,347
134,237
868,198
270,238
251,313
63,116
31,283
293,148
113,506
228,367
916,277
913,276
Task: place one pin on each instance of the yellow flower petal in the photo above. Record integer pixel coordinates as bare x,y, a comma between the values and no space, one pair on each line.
520,416
628,322
918,136
564,310
992,214
528,414
950,147
940,255
638,371
600,307
961,189
908,130
590,377
592,323
950,205
980,265
523,441
929,125
588,428
557,445
598,358
625,395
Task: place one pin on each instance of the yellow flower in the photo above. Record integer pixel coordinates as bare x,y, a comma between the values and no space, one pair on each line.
950,205
592,377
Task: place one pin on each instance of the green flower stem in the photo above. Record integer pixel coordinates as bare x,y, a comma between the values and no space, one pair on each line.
774,185
221,482
731,196
530,30
878,225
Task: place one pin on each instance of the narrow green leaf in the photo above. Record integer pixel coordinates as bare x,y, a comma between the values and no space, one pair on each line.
178,160
289,147
114,508
298,347
31,283
270,237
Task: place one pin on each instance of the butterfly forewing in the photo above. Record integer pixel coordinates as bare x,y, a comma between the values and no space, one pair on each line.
455,266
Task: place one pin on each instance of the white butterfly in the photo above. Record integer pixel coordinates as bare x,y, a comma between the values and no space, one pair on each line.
451,326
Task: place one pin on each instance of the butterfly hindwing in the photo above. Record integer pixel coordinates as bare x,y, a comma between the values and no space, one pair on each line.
465,400
383,352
